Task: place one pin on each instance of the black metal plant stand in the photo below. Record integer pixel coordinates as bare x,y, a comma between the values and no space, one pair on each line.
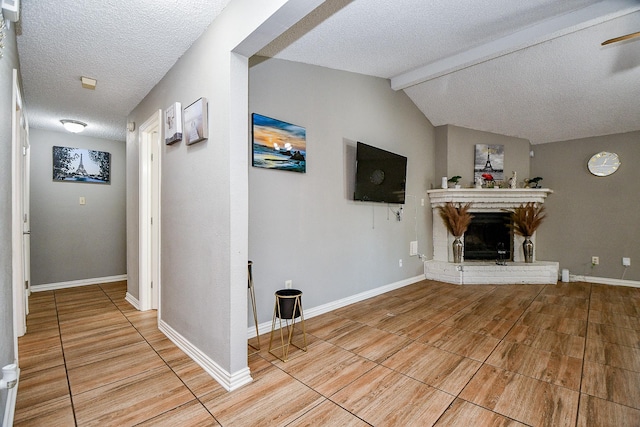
288,307
252,296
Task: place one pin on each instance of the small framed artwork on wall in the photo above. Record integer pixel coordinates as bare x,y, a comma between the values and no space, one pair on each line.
81,165
195,122
489,162
278,144
173,123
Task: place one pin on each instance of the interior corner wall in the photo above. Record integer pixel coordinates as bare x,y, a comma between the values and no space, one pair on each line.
441,153
70,241
461,149
589,215
305,227
8,62
204,192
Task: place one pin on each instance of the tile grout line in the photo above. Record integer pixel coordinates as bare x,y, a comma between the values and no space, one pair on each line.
161,358
64,358
584,353
484,362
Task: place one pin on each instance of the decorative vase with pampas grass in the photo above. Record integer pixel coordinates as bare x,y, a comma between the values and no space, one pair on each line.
525,220
456,219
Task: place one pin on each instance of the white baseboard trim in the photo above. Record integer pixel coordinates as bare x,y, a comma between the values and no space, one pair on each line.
604,281
75,283
229,381
133,301
334,305
10,407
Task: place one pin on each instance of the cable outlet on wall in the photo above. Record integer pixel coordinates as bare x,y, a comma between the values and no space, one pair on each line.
288,284
595,260
626,261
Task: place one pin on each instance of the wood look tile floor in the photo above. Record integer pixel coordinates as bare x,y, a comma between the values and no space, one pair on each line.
428,354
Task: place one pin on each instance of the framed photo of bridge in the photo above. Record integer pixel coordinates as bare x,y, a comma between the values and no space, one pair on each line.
81,165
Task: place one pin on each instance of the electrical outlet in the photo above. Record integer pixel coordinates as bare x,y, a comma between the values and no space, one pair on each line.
400,262
82,200
288,284
626,261
595,260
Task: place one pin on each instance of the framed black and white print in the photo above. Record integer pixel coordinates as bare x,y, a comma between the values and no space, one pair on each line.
195,122
489,162
81,165
173,123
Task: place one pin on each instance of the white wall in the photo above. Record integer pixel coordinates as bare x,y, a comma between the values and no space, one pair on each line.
306,227
70,241
8,62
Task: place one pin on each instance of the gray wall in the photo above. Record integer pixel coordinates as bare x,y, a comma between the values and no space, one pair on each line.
589,215
70,241
306,227
204,191
456,148
8,62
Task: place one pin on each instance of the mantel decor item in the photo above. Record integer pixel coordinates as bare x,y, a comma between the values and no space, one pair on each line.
173,123
81,165
489,159
454,180
533,182
196,122
456,219
525,220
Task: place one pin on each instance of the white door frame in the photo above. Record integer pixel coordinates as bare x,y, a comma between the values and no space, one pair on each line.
149,205
19,212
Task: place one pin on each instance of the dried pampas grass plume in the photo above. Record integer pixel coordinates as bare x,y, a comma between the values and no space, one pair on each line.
456,218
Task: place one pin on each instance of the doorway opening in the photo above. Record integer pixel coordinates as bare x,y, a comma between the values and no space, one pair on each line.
149,202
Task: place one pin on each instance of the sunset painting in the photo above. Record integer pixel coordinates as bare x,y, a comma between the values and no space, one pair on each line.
278,144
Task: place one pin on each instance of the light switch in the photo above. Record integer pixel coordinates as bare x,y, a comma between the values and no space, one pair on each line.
82,200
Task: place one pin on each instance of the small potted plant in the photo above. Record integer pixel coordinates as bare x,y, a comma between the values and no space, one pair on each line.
456,219
533,182
454,180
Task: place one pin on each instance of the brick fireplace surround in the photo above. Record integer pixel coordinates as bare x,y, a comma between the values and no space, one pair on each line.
442,268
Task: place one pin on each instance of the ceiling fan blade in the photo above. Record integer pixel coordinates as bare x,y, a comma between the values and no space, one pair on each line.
621,38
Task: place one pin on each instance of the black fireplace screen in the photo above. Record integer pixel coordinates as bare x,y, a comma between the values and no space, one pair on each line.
487,233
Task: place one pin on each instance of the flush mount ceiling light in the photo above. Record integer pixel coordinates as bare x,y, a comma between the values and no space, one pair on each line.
73,125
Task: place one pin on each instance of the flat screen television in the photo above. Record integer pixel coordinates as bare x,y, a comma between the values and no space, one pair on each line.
381,175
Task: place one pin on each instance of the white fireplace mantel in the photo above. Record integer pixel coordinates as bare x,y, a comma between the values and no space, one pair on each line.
484,200
489,199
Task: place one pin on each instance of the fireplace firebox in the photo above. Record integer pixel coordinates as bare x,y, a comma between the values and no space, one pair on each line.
487,233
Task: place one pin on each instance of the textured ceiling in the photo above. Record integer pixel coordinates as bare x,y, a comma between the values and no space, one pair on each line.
537,70
531,69
128,46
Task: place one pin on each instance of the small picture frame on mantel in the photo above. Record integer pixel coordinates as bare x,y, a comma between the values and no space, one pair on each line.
173,123
195,122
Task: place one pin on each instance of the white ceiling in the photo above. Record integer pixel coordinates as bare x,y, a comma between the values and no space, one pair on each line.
128,46
533,69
